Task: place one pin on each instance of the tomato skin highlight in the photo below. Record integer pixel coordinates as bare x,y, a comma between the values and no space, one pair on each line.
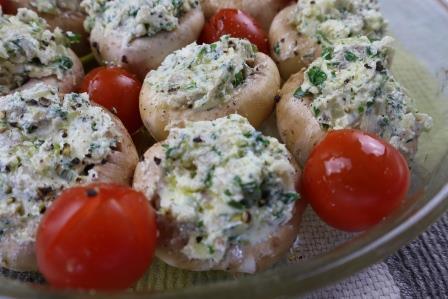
117,90
236,23
353,180
102,242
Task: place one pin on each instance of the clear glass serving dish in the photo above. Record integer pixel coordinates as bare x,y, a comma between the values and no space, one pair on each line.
421,67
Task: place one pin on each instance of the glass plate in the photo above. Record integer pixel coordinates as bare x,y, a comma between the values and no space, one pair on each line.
421,67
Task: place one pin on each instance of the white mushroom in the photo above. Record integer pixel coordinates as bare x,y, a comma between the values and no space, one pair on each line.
290,49
216,222
300,31
350,87
92,141
35,55
141,44
65,14
168,100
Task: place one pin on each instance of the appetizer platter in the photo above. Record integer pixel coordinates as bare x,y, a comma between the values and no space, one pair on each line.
150,142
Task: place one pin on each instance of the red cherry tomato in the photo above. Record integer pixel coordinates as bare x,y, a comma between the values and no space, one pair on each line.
99,237
236,23
117,90
353,180
7,7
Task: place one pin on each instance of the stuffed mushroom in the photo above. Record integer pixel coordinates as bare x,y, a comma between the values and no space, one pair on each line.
224,194
350,86
263,11
49,142
301,31
139,34
30,53
65,14
205,82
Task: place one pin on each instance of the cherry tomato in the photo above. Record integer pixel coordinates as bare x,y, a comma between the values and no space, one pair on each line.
117,90
237,24
99,237
353,179
7,7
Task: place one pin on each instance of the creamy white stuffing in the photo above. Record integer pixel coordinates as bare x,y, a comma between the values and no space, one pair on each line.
228,182
47,143
330,20
136,18
203,76
55,7
28,49
353,88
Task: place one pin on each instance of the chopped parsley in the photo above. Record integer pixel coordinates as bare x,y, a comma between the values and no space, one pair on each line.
239,79
327,53
349,56
277,49
65,63
317,76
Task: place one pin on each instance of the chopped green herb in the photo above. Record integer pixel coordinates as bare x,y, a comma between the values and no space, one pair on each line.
316,111
209,178
349,56
65,63
299,93
316,76
327,53
73,38
322,38
239,79
277,49
236,204
361,109
289,197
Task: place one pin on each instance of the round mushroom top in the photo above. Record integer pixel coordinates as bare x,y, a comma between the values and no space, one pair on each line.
136,18
201,77
29,49
55,7
352,87
330,20
49,142
227,182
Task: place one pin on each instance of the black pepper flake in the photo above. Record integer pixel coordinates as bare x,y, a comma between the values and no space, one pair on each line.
197,139
367,66
104,161
277,98
87,169
347,81
379,66
75,161
157,160
44,102
44,191
91,192
32,102
199,239
64,134
124,59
